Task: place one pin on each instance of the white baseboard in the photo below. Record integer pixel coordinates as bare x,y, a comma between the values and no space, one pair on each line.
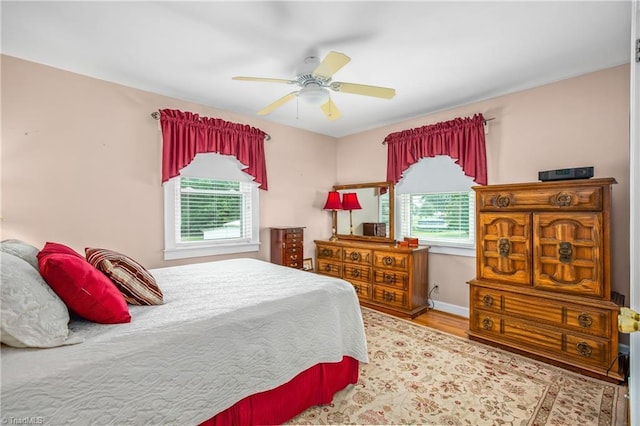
451,309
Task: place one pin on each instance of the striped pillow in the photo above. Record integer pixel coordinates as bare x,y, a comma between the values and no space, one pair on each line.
135,283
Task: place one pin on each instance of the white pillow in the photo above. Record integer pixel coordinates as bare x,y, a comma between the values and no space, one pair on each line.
24,251
32,315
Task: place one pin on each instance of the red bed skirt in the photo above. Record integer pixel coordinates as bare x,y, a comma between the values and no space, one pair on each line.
314,386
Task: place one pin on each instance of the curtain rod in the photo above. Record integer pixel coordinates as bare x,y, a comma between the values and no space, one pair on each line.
156,116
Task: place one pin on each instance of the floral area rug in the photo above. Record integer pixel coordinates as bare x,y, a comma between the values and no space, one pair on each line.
420,376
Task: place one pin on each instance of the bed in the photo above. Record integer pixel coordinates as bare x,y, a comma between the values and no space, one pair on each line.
238,341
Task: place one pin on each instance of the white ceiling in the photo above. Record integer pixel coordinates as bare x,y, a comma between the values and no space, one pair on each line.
436,55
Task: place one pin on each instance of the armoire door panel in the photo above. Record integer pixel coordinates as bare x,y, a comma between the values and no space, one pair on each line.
504,247
567,253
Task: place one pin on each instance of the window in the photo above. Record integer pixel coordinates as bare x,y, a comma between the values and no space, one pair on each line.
383,208
207,215
435,203
439,218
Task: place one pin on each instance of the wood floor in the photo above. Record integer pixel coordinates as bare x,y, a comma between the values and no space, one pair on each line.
444,322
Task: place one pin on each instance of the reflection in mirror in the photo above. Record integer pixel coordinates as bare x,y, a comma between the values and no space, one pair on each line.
374,221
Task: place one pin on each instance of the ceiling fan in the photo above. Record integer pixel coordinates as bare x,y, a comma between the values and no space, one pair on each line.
314,79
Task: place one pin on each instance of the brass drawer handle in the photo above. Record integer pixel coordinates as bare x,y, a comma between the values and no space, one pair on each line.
504,246
355,273
355,256
357,288
487,323
388,296
327,267
487,300
293,257
565,252
388,279
325,252
585,320
387,260
584,349
503,201
563,199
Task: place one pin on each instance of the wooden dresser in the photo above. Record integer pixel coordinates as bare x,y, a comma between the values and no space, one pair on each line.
543,283
386,277
287,246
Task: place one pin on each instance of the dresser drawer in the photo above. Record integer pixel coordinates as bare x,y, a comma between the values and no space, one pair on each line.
294,250
529,335
588,320
390,278
328,252
389,259
524,333
357,255
576,198
582,319
390,296
297,263
293,255
293,242
329,267
363,289
354,271
294,233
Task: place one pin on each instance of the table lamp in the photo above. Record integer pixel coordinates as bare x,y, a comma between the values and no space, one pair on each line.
350,202
333,203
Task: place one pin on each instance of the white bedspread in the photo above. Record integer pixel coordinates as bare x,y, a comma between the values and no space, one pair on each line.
228,329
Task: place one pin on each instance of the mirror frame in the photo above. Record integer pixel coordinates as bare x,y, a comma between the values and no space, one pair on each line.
391,190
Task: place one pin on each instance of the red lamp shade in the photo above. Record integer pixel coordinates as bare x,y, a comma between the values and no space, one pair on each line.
350,201
333,201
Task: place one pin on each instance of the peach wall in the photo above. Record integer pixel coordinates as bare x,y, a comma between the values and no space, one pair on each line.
81,161
81,165
582,121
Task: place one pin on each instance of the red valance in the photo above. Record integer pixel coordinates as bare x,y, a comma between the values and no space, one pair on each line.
185,134
461,139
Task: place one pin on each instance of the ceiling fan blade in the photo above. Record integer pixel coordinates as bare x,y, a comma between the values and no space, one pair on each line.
276,104
331,64
265,80
330,110
363,89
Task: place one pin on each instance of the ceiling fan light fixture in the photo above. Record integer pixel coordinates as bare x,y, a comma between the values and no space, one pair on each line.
314,77
314,95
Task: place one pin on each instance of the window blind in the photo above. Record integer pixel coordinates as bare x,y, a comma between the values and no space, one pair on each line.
208,210
439,216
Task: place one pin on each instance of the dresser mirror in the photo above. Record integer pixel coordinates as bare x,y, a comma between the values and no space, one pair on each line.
374,220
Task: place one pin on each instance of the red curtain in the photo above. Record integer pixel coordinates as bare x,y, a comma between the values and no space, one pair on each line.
185,134
461,139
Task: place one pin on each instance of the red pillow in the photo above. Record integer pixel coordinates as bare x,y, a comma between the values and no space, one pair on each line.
50,248
84,289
